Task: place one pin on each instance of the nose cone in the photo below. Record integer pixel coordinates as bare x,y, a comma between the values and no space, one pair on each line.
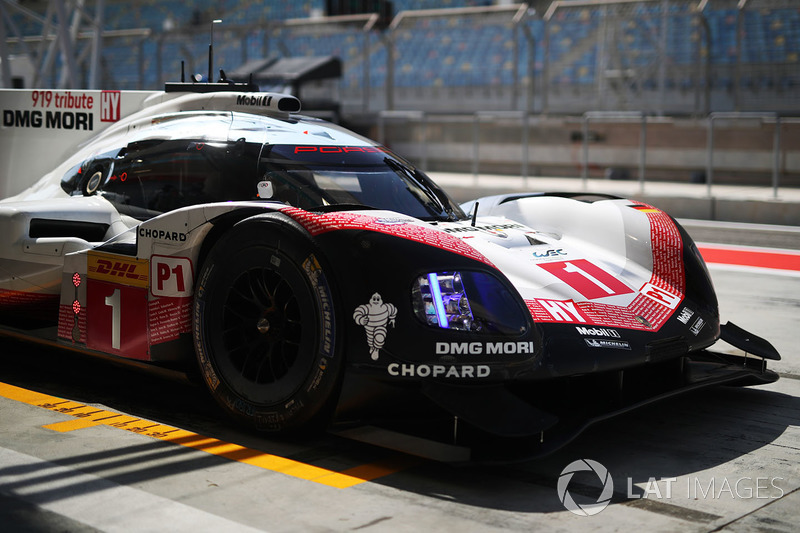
609,263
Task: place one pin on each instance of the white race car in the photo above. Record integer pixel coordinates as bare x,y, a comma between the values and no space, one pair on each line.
310,274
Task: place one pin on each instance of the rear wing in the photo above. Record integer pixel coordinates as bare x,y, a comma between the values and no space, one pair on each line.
41,128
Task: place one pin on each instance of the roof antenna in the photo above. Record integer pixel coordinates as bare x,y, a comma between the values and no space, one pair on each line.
211,52
183,72
475,213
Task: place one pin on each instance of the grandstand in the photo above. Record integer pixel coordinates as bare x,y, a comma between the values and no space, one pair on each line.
479,65
560,56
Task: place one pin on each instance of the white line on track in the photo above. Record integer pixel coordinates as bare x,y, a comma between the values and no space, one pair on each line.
100,503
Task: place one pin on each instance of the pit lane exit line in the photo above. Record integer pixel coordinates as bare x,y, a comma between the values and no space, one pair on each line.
750,256
87,416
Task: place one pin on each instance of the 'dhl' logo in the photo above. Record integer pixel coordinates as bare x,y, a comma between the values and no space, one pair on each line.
117,269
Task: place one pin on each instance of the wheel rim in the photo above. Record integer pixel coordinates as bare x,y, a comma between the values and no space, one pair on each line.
267,319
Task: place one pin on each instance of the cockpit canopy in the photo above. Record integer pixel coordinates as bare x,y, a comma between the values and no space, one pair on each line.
155,175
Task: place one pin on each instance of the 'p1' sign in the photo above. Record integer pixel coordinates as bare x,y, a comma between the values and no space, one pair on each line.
171,276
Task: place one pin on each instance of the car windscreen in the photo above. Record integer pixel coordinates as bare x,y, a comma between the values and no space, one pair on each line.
316,176
153,176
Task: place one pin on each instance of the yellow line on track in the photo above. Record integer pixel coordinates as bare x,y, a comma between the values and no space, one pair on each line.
87,416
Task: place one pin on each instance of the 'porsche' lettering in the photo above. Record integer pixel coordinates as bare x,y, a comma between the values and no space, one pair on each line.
162,235
410,370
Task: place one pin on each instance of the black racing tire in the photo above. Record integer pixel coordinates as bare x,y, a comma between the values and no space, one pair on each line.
264,327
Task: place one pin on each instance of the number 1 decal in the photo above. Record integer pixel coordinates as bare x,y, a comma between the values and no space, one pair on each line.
117,319
587,278
113,302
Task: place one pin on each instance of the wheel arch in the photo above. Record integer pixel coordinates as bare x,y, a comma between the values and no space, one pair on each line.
286,236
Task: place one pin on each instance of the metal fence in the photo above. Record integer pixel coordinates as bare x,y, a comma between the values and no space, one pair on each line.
730,148
624,55
652,56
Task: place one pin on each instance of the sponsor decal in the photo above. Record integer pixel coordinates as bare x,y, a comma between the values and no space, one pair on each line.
598,332
409,370
162,235
562,311
492,229
64,110
605,343
62,100
321,367
172,276
685,315
118,269
697,326
110,106
319,223
550,253
265,190
660,295
375,316
319,282
339,149
484,348
254,100
392,221
58,120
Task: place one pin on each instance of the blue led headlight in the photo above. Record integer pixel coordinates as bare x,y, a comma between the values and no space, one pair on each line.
446,303
467,301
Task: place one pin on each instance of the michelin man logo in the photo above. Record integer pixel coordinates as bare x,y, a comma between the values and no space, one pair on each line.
375,316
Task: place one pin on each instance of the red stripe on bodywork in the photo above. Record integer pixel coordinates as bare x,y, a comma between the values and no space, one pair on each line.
667,275
319,223
783,260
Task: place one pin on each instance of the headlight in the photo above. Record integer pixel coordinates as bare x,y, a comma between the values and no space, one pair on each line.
467,301
444,301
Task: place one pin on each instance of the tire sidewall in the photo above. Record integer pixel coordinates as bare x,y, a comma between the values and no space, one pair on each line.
314,394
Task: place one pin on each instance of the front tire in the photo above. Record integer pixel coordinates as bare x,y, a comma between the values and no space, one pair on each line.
264,327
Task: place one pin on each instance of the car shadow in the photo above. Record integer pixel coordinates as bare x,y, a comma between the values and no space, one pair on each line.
679,437
673,440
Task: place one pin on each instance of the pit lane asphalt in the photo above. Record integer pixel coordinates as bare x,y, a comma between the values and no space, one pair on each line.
723,459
